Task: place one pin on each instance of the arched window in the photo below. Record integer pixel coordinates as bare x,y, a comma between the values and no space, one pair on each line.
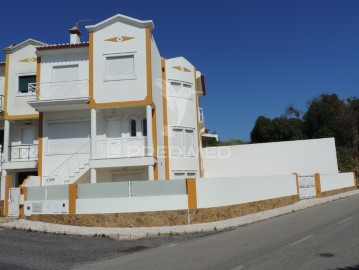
144,127
133,130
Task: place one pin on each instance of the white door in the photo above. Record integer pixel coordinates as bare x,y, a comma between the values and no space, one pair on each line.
65,82
28,150
14,194
114,142
306,187
126,177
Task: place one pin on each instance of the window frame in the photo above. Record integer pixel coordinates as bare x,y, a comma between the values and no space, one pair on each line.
184,151
182,95
18,83
114,55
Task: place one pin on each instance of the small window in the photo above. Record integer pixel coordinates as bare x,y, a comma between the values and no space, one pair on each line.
133,130
144,127
24,82
187,90
120,67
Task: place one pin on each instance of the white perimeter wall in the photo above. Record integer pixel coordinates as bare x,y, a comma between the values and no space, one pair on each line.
131,204
216,192
304,157
336,181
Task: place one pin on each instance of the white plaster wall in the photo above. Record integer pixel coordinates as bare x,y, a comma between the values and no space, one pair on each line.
15,131
120,90
181,112
336,181
214,192
48,207
17,104
65,57
157,99
131,204
304,157
105,175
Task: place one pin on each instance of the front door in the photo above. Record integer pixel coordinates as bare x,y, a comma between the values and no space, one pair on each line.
114,142
13,204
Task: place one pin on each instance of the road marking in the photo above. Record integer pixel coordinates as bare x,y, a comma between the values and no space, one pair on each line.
344,220
301,240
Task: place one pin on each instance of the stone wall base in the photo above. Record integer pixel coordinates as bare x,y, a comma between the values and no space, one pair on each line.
165,218
336,191
2,210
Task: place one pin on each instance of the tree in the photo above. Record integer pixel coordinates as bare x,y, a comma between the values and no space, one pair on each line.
277,129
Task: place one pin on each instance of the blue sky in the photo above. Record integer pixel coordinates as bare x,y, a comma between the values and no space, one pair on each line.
258,56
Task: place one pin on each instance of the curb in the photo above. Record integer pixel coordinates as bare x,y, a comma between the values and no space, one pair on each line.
151,232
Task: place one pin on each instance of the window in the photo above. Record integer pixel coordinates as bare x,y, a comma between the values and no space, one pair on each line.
24,82
182,143
144,127
181,89
133,131
183,174
120,67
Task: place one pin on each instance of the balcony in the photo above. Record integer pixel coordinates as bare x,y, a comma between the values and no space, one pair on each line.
23,152
54,96
122,148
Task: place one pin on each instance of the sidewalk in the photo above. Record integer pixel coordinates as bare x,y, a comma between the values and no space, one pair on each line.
142,232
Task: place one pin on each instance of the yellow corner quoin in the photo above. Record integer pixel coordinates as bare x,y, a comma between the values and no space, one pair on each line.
297,183
317,185
165,119
24,193
183,69
192,193
8,182
72,199
198,130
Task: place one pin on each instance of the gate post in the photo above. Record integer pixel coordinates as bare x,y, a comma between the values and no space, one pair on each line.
72,198
297,182
318,188
8,183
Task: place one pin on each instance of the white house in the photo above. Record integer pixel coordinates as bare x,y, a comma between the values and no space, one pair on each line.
110,109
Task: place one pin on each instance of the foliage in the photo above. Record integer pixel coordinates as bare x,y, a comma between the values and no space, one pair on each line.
326,116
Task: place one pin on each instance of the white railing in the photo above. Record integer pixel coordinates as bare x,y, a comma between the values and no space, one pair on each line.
70,166
59,90
129,147
23,152
201,115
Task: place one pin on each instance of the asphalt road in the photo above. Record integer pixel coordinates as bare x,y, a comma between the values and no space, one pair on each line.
322,237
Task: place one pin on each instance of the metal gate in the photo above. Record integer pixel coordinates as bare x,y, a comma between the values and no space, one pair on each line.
306,185
13,205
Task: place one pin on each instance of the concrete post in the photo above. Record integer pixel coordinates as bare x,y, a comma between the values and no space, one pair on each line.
6,140
93,133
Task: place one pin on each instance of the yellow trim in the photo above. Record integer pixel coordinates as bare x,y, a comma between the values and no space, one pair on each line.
165,119
355,180
192,193
154,137
147,101
7,67
24,193
40,147
181,68
72,199
297,183
318,188
198,129
8,183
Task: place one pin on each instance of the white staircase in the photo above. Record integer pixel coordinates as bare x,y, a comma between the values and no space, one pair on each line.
71,169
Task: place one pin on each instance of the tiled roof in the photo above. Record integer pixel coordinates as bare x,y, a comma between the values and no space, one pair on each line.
63,46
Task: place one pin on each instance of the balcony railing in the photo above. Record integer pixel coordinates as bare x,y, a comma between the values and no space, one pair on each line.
201,116
117,148
59,90
23,152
